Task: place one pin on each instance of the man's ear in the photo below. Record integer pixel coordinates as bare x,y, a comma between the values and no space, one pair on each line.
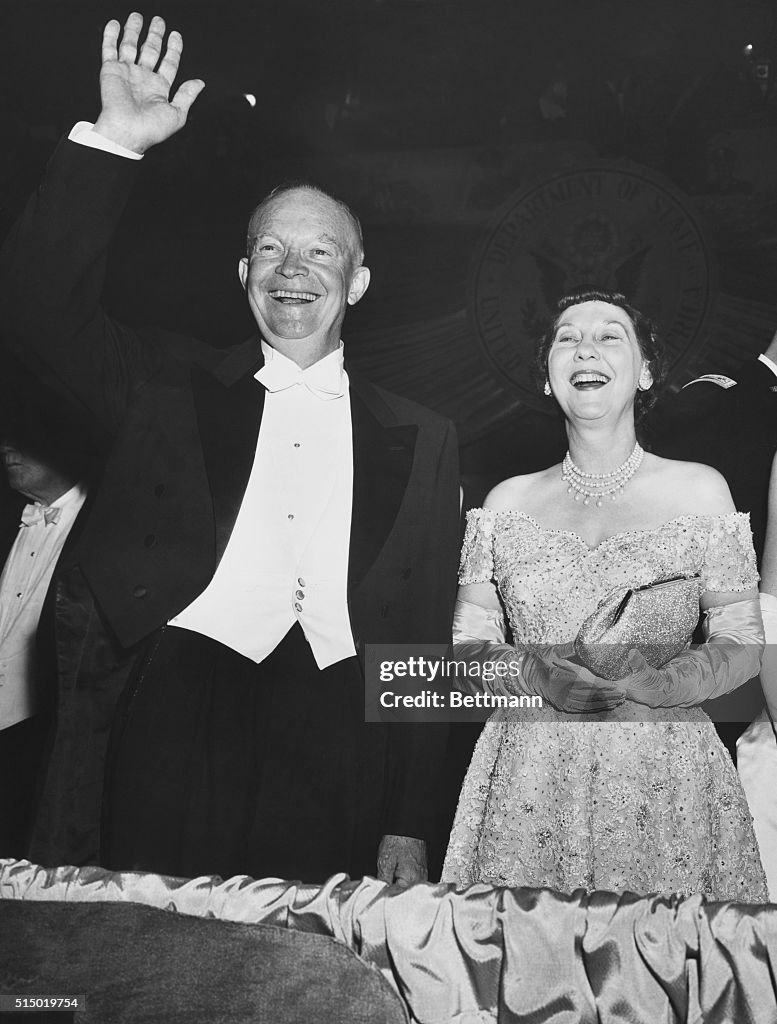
242,270
359,283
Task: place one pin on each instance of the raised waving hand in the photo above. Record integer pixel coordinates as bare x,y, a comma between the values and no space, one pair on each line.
136,80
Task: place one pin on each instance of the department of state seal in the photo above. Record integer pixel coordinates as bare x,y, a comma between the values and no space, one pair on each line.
606,226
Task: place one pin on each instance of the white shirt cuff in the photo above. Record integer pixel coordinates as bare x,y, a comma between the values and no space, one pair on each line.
768,362
84,134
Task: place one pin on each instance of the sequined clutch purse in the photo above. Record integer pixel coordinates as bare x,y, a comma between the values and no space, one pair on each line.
658,620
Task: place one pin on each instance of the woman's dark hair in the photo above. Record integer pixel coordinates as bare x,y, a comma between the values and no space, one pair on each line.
651,347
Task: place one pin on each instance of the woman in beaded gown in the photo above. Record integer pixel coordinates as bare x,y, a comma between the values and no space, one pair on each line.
619,785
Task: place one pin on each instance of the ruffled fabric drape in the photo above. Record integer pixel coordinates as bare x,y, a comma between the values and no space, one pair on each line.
484,954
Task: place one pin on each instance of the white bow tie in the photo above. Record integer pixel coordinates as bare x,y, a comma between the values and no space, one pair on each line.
325,379
33,515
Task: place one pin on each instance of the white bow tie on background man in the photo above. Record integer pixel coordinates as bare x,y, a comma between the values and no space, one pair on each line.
325,379
32,515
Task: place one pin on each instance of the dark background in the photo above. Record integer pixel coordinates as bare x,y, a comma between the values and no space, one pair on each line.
424,114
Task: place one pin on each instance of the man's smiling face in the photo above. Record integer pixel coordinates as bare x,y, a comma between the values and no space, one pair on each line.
303,272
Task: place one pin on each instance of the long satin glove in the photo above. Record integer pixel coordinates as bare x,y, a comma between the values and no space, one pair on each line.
757,756
479,637
734,636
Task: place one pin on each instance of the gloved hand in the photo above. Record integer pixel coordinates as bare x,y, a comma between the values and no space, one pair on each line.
731,655
547,671
563,682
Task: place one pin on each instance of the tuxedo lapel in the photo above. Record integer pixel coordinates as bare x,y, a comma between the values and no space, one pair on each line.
228,416
382,460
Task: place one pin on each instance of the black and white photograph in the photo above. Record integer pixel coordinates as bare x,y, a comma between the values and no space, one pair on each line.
388,512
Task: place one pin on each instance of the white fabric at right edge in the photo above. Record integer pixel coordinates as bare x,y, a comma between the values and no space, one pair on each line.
757,756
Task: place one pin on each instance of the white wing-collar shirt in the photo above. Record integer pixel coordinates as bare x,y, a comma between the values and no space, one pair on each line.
23,585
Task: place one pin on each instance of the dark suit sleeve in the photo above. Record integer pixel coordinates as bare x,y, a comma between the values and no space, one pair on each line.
732,429
52,268
416,751
755,398
747,435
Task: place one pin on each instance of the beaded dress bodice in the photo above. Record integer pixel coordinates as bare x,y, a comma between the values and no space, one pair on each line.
551,580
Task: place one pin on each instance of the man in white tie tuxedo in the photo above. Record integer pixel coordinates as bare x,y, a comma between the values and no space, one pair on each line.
31,541
263,515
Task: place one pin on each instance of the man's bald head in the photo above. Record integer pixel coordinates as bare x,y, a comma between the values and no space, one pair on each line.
307,186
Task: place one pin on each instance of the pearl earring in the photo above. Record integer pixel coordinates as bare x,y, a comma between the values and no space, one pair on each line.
645,379
546,390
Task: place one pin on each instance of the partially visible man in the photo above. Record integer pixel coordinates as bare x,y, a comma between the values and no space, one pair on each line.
31,541
730,423
734,428
264,514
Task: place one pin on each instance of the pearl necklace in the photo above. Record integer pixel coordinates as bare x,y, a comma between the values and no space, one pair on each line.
600,485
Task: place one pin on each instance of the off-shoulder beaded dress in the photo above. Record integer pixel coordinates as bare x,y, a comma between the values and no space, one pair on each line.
633,799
